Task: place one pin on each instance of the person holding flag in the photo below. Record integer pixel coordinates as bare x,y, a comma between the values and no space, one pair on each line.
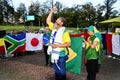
59,40
14,32
93,56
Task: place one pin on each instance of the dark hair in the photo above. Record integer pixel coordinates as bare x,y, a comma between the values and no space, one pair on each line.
63,20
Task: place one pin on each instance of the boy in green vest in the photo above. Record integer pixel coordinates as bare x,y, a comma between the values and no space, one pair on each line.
93,54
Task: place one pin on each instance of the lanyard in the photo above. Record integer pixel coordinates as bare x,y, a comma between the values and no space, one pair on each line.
53,39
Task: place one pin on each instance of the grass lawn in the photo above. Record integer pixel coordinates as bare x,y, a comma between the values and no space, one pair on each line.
22,28
18,27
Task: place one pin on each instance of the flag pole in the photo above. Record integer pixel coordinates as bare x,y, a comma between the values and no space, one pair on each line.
52,3
6,55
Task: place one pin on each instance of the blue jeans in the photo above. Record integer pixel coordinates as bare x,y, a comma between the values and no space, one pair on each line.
60,68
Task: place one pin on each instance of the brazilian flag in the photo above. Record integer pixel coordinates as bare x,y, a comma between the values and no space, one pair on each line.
73,64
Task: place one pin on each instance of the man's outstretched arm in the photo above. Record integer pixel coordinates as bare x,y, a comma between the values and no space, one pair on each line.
49,18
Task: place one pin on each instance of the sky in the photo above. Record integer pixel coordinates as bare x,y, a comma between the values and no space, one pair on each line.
67,3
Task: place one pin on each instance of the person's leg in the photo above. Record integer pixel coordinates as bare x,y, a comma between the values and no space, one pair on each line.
49,60
46,55
56,70
62,65
88,69
60,68
91,67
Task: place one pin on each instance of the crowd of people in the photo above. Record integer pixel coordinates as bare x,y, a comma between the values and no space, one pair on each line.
55,40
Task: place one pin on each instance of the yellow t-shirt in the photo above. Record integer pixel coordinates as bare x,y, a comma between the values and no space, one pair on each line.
97,47
51,25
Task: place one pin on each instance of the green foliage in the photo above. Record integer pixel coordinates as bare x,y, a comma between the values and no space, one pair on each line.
78,15
108,6
6,11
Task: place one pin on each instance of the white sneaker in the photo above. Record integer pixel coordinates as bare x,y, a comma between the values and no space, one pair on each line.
109,56
114,57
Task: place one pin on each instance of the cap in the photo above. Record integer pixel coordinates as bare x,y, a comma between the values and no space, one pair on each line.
91,28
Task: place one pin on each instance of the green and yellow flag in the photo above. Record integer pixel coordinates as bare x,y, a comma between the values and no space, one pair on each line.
73,64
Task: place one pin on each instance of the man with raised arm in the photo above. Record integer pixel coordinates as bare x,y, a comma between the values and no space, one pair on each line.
59,40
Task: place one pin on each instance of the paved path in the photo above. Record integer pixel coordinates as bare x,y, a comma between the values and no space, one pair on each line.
31,67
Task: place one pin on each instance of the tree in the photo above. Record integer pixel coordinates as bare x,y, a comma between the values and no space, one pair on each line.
88,13
45,8
34,9
108,8
21,13
1,11
58,6
99,13
6,11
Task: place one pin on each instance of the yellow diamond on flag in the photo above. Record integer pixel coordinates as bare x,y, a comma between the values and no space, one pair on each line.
71,55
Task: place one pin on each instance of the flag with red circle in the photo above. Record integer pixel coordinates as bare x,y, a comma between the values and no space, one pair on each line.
34,41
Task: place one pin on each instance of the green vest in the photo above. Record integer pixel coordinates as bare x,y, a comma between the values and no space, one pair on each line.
91,53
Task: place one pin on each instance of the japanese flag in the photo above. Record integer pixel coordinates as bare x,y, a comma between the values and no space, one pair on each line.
34,42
